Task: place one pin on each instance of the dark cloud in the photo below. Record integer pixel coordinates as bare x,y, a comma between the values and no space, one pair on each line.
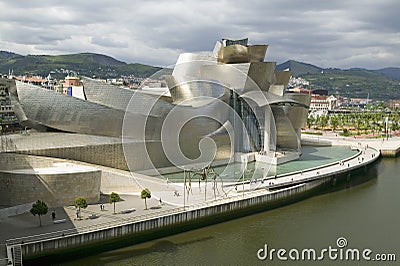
109,42
353,33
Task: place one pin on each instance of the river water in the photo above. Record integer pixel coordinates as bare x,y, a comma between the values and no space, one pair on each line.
366,215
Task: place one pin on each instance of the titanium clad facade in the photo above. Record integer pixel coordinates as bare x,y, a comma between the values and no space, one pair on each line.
118,98
257,52
260,74
298,114
65,113
283,77
286,135
239,53
230,96
40,108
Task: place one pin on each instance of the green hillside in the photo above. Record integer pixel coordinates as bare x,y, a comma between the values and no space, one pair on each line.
5,55
87,64
356,83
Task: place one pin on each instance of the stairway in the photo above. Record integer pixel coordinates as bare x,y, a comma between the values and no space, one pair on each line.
3,255
17,255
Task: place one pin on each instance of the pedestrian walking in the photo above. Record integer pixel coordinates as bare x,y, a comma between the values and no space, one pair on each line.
53,214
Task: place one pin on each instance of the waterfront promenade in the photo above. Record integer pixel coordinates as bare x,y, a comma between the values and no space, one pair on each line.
389,147
131,208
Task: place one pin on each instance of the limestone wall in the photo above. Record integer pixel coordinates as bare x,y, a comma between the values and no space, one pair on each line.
110,155
55,190
25,179
115,181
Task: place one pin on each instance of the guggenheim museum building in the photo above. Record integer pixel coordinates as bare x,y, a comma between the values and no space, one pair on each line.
216,107
213,108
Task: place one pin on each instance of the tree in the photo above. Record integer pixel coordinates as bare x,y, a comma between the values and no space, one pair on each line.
40,208
310,121
334,122
114,197
80,202
145,195
323,121
345,132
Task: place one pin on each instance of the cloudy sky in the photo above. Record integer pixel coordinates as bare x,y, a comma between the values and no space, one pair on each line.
343,33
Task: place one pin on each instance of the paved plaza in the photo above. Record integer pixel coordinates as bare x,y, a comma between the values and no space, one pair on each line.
129,207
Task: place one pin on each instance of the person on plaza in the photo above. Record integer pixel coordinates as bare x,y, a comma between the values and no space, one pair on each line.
53,214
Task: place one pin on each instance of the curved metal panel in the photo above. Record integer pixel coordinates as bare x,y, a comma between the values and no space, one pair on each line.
260,76
263,98
65,113
286,138
283,77
234,53
257,52
298,114
118,98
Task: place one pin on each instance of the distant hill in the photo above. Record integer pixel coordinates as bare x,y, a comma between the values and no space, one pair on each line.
356,83
299,68
391,72
87,64
5,55
382,84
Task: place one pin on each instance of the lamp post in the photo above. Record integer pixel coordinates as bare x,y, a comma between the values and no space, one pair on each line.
387,127
184,188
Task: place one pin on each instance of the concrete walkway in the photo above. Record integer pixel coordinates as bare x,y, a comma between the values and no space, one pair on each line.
388,147
27,225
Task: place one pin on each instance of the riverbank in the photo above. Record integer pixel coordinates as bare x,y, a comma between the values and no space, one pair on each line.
389,147
286,188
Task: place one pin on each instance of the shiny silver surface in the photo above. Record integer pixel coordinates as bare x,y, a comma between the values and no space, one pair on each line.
263,98
287,138
102,114
283,77
297,114
119,98
257,52
65,113
233,54
239,53
228,99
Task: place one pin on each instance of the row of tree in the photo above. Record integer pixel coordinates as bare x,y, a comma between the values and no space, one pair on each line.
40,208
358,122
